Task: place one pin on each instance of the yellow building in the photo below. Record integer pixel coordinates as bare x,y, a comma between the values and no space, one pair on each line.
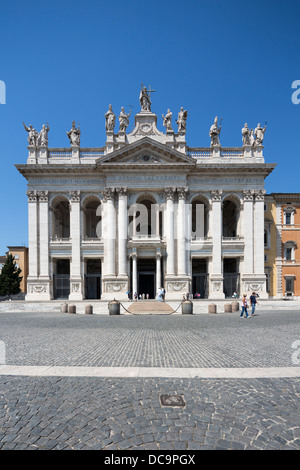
20,254
270,239
282,245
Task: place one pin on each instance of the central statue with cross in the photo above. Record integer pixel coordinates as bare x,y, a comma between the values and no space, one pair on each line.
145,98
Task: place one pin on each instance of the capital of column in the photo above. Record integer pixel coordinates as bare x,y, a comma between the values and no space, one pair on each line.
122,191
248,194
32,196
170,193
42,196
182,193
75,196
259,194
216,195
108,194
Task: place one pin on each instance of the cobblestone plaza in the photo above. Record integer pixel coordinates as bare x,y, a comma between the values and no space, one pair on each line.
95,382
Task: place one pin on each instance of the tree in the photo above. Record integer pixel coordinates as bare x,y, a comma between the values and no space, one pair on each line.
10,278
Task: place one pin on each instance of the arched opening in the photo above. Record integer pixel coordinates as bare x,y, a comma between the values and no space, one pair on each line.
145,217
61,219
199,218
231,215
92,219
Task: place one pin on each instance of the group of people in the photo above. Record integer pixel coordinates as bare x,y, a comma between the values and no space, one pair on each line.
253,302
137,296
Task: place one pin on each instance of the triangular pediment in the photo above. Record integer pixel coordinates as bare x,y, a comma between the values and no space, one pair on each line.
148,152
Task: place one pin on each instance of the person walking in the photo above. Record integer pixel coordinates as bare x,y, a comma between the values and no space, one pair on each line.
253,302
244,306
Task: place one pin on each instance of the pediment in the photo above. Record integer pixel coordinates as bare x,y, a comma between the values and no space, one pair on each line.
145,152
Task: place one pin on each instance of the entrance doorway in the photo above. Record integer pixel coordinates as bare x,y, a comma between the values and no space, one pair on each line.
231,277
93,279
61,280
200,278
146,277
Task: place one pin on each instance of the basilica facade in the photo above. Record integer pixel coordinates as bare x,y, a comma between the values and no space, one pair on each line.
145,211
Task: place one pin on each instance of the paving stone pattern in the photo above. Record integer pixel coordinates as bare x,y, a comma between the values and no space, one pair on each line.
89,413
126,413
150,341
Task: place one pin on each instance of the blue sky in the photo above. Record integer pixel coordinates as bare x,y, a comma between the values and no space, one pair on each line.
64,61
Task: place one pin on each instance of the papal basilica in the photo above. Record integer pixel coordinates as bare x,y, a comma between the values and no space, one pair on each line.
145,211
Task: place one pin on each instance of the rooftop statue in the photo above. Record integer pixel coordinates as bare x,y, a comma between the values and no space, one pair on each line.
181,121
246,133
110,119
43,136
167,120
214,133
74,135
259,134
145,99
124,119
32,135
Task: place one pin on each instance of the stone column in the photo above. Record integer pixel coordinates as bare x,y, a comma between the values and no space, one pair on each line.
134,272
33,234
33,268
259,225
109,227
75,277
44,275
181,228
44,233
123,228
158,270
216,277
170,194
248,232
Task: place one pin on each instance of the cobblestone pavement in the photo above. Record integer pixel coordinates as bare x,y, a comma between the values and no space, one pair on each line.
126,413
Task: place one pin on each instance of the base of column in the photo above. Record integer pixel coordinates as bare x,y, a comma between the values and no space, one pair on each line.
115,288
254,283
38,289
76,289
216,287
176,287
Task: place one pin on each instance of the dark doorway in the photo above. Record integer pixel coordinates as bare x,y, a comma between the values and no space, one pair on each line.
93,279
61,280
231,277
200,278
146,271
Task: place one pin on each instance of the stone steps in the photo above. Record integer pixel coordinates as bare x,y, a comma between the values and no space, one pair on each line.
148,307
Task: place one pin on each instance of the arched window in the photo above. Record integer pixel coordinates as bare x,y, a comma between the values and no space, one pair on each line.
61,219
289,250
231,215
199,218
92,216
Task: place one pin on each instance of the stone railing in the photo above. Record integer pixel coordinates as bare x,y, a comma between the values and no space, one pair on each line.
207,152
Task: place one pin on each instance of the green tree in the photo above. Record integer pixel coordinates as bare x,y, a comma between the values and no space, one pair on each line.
10,278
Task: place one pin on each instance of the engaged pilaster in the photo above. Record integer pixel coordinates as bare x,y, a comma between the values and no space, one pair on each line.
216,277
170,195
76,277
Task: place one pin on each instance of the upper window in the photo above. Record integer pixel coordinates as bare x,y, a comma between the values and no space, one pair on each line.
288,215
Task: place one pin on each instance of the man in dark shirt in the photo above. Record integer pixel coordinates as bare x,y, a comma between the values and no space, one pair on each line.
253,302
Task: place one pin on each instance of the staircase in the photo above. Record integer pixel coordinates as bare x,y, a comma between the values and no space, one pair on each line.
149,307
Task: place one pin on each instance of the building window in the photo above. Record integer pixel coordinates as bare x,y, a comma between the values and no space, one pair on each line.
289,286
289,251
16,256
288,215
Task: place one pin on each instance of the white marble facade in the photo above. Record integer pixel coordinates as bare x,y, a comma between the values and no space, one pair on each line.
145,211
